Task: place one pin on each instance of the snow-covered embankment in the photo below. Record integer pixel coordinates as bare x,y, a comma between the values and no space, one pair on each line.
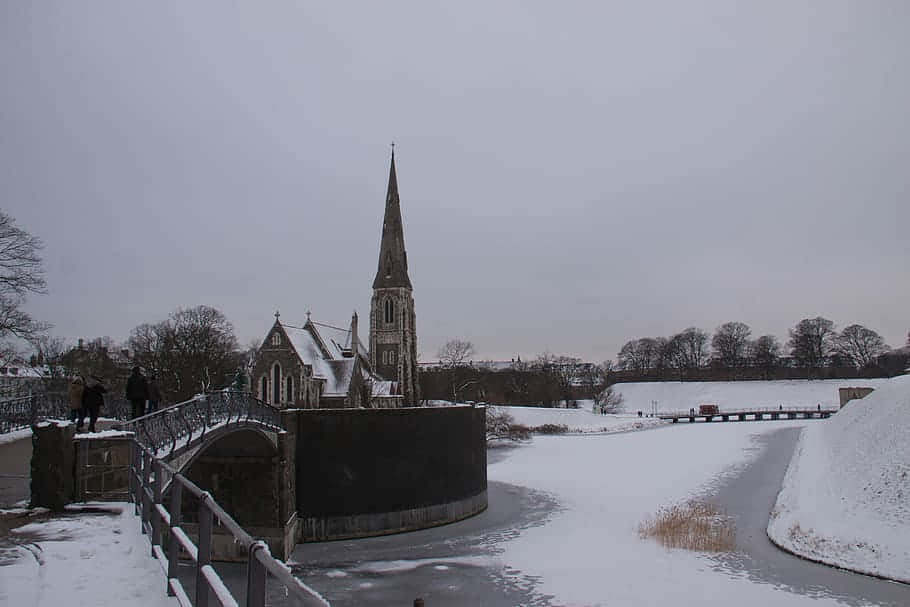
845,499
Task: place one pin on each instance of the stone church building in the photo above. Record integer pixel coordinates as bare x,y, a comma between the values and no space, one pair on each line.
322,366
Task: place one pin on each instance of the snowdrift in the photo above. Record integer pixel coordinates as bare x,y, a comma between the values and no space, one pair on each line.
845,500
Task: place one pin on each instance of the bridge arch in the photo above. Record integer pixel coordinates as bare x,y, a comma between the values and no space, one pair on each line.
240,466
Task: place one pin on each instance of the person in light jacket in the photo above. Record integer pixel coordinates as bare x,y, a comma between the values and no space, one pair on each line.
77,387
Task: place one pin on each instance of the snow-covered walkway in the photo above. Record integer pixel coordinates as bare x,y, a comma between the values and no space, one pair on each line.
81,559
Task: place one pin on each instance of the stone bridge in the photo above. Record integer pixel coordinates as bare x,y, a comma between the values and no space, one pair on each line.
285,476
233,446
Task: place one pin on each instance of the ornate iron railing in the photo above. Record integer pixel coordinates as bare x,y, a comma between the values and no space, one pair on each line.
25,411
164,431
149,476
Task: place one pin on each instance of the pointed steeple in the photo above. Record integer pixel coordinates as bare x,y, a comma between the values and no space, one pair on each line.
393,260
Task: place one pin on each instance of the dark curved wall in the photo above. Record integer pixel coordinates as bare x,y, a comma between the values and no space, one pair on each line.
359,462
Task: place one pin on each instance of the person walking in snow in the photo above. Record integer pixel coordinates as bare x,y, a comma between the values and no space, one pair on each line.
92,400
77,387
154,394
137,392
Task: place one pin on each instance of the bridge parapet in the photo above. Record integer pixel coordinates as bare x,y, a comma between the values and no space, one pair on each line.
25,411
173,429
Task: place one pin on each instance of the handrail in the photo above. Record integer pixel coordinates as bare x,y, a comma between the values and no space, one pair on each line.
146,487
163,431
25,411
745,410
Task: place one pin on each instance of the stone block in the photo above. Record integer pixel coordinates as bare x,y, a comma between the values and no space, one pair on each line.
53,458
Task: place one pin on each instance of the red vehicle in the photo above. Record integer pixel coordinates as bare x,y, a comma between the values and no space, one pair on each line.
708,410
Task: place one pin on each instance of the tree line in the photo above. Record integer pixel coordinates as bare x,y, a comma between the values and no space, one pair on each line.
814,349
191,351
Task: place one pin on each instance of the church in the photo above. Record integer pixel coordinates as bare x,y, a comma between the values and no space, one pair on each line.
321,366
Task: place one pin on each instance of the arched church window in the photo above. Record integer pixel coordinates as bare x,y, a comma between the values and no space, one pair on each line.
276,339
276,384
290,389
264,389
392,357
385,357
389,310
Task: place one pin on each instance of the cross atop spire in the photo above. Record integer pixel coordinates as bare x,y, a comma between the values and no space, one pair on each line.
277,314
393,260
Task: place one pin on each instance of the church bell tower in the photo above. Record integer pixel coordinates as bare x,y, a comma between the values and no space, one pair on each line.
393,331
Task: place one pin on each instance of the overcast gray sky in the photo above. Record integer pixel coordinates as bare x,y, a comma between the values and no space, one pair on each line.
572,175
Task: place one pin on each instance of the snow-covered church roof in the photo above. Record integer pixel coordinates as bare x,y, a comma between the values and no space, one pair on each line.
327,349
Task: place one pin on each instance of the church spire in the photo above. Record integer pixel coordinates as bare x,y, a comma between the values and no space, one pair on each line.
393,260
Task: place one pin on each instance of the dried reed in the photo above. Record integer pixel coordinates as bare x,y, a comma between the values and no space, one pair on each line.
694,525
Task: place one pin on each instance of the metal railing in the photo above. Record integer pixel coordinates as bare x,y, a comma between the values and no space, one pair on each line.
147,483
165,430
747,411
25,411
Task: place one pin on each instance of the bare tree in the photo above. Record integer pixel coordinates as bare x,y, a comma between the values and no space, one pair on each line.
455,352
518,382
193,350
765,351
632,357
731,344
641,355
611,401
562,372
501,426
49,354
811,341
688,350
859,345
21,274
454,356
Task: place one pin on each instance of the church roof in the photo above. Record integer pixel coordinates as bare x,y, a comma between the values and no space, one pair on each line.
338,340
323,347
392,270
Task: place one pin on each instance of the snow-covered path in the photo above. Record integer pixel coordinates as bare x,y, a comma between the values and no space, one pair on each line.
83,560
590,554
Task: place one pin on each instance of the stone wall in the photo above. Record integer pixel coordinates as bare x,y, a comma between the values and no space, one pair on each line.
102,468
370,472
252,479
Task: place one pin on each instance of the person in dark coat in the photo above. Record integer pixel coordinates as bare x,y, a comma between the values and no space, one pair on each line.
92,400
154,394
137,392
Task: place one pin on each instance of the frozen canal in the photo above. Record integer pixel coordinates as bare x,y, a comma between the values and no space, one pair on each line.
561,530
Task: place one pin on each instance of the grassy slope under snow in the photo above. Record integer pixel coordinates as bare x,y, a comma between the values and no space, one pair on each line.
676,396
846,496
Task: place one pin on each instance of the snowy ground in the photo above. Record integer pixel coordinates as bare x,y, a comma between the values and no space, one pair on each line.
579,420
589,553
846,496
81,559
682,396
